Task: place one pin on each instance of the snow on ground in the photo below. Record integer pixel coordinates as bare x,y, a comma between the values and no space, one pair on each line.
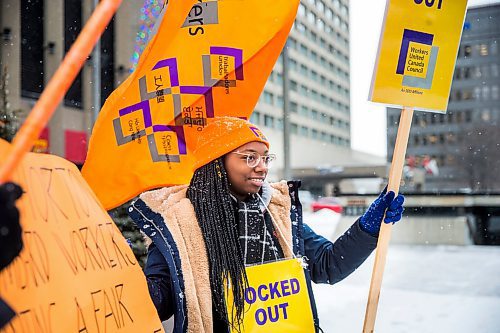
323,222
426,289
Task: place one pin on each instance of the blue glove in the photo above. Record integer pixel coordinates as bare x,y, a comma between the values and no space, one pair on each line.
372,219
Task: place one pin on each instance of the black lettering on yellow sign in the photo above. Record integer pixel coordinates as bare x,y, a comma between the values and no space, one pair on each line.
430,3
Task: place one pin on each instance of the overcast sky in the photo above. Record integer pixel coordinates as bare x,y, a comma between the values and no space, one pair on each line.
369,119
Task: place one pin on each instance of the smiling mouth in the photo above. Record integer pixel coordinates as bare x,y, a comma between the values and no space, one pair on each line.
257,181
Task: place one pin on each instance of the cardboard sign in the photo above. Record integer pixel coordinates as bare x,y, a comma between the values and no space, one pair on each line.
76,273
277,299
417,53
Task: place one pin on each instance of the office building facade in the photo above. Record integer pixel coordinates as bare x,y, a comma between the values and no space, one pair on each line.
319,88
36,35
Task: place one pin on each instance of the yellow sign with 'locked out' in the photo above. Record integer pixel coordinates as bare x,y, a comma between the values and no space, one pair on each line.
417,52
276,299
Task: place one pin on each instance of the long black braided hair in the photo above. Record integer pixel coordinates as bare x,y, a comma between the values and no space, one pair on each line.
209,195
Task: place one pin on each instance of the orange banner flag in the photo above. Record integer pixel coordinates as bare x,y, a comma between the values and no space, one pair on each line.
215,62
76,272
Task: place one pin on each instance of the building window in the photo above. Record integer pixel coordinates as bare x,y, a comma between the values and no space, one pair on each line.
304,131
467,50
314,75
304,50
279,124
336,20
494,92
300,27
321,6
314,95
72,27
32,48
477,93
314,56
304,90
279,79
468,116
279,101
467,95
466,72
485,70
323,43
486,93
108,61
303,70
255,118
302,10
494,47
483,50
477,72
313,36
485,115
294,128
494,70
320,24
314,114
329,14
268,121
311,17
304,111
268,98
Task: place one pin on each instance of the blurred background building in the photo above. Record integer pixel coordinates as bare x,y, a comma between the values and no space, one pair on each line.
319,110
35,35
460,150
318,52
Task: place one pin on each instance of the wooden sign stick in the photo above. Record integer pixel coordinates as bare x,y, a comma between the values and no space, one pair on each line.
58,85
384,237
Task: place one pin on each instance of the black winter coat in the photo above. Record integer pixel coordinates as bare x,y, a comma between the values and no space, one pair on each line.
327,262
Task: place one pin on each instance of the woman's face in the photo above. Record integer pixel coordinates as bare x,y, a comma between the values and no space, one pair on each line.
245,180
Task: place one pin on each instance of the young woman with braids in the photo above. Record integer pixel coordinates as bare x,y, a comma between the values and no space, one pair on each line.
226,219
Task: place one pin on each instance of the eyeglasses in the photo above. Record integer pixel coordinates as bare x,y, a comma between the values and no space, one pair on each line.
253,159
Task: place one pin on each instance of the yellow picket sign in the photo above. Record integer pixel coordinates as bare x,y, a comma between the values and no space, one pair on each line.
416,55
277,299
